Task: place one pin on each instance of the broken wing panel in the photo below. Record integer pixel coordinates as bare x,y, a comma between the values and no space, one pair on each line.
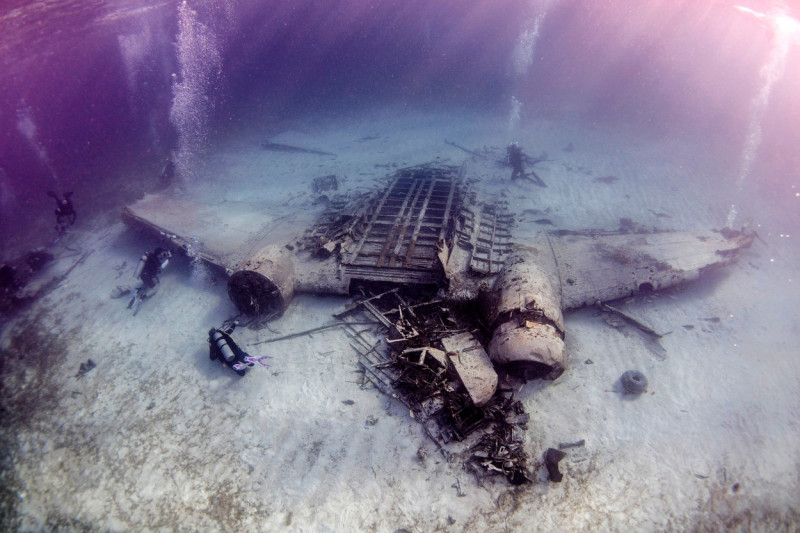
225,233
607,267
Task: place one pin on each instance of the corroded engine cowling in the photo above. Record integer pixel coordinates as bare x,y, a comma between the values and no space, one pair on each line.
264,285
524,309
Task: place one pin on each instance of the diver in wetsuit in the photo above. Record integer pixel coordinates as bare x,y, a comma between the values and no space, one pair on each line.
222,346
517,161
65,211
168,173
150,266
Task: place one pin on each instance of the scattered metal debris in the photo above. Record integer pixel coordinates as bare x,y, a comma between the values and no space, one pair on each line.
430,358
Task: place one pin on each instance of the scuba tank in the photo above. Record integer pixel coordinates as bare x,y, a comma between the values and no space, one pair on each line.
221,342
163,257
140,266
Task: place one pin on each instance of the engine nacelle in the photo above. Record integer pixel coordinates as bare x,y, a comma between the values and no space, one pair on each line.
524,310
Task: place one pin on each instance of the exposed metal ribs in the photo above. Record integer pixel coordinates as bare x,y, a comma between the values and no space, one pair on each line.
402,230
486,230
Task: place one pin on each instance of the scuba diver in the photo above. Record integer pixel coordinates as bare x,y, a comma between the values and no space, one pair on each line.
65,212
517,161
150,266
222,346
168,173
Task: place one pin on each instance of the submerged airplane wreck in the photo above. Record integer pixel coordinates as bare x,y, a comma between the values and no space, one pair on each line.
498,298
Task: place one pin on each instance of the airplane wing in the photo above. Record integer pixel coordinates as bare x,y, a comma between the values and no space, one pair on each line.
225,234
605,267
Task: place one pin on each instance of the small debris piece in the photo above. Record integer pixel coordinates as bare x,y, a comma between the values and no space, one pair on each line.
370,421
564,445
618,320
589,362
629,319
348,402
634,382
544,222
457,486
551,459
84,368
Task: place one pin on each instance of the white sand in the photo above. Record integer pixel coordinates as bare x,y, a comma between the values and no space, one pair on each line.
161,438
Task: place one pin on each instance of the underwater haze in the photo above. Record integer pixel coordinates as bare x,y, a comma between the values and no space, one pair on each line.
90,86
673,114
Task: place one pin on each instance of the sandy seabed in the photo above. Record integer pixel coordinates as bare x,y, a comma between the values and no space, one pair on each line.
158,437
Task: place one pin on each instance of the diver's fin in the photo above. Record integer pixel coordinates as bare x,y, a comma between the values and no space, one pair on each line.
250,360
136,301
